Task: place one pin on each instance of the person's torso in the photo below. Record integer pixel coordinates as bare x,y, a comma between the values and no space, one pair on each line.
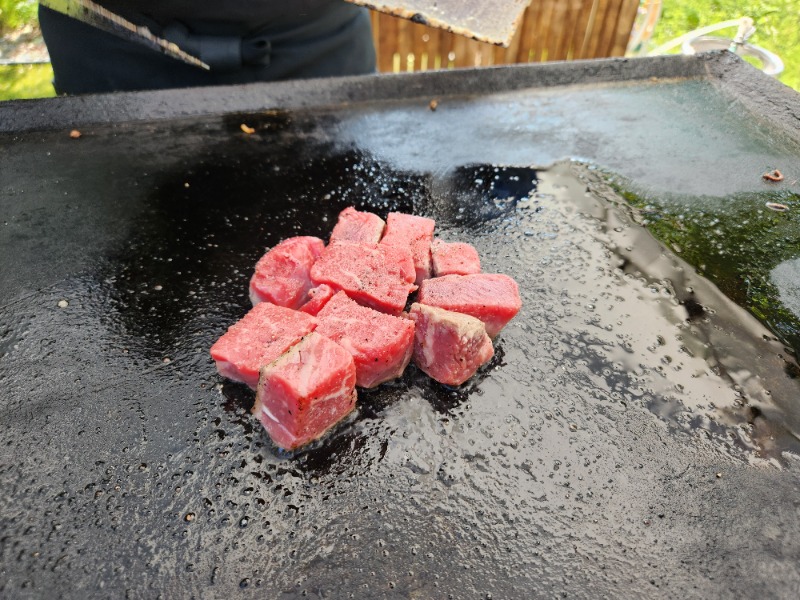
254,13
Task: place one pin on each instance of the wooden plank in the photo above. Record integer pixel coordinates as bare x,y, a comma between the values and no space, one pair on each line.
606,39
549,30
509,55
478,53
433,46
528,34
588,20
598,28
573,10
387,41
558,31
440,58
579,32
541,51
458,46
419,44
375,22
624,24
402,42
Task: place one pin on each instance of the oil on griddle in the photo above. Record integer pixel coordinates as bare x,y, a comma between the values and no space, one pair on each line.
487,204
149,475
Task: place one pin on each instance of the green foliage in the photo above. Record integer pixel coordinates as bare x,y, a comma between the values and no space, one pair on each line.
693,18
16,13
777,26
26,81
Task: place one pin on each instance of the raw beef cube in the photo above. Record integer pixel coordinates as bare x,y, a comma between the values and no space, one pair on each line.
366,272
404,260
356,226
456,258
449,346
381,344
306,391
261,336
281,275
494,299
318,297
410,231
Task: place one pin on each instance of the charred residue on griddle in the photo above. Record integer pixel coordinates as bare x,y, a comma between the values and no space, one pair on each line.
792,369
239,402
694,309
375,401
449,400
754,413
205,223
472,195
209,218
344,450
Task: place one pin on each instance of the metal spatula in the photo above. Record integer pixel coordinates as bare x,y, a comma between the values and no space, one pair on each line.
493,21
95,15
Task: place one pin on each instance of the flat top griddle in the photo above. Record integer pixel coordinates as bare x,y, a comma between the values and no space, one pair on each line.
635,435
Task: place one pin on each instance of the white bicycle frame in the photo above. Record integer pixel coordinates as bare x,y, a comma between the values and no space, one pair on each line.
698,40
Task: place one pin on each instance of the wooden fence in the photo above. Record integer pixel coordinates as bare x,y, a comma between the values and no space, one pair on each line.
550,30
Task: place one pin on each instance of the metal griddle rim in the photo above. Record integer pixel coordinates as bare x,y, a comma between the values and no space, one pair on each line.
762,95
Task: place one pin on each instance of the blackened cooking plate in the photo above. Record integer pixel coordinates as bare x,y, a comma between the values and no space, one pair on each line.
623,441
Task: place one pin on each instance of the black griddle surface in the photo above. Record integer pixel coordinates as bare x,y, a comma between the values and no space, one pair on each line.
633,436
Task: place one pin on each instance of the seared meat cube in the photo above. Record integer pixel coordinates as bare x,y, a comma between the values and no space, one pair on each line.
492,298
416,233
449,346
366,272
282,274
260,337
381,344
306,391
318,297
357,226
457,258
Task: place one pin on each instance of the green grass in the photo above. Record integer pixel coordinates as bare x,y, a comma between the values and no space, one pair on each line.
26,81
777,26
22,81
16,13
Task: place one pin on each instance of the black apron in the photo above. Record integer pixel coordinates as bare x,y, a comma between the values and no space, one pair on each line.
323,39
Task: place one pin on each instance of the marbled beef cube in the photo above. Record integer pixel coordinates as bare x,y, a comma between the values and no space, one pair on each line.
358,226
306,391
456,258
366,272
282,274
402,258
318,297
416,233
449,346
381,344
261,336
492,298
